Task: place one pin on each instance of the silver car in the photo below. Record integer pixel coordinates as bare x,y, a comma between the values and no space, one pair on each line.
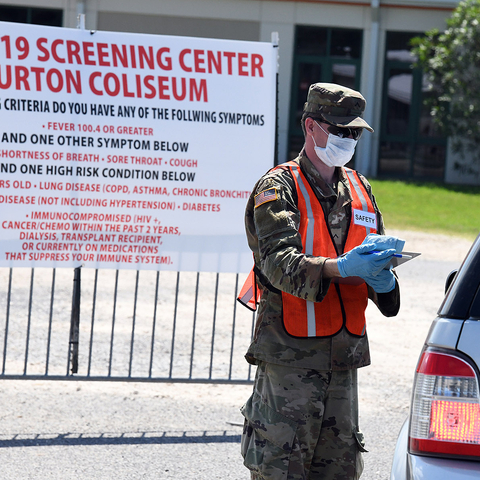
441,438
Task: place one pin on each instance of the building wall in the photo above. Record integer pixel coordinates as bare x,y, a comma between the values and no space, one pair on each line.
166,25
255,20
391,18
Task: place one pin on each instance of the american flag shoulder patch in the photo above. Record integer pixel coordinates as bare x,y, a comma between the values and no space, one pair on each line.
265,196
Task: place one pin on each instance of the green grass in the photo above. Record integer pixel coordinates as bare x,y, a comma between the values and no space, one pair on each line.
429,207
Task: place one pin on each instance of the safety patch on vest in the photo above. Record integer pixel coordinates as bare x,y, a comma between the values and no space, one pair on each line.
365,219
265,196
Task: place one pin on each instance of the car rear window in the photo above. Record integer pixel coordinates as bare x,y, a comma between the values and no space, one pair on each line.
463,298
475,310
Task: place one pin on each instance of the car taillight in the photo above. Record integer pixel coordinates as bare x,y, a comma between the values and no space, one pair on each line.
445,418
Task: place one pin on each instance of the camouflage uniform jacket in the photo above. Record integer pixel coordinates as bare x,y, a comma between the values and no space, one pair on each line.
272,234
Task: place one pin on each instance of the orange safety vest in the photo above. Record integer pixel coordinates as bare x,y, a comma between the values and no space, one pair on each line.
345,303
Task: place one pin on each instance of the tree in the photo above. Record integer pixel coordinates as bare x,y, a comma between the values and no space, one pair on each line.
451,62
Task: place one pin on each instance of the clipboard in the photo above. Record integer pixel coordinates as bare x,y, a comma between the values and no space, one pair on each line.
394,262
402,258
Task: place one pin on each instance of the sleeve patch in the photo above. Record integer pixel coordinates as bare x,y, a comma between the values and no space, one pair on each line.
265,196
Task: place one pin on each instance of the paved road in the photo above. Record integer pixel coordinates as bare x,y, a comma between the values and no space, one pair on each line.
66,430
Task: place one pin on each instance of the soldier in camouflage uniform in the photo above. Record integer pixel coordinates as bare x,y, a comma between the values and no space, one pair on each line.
301,421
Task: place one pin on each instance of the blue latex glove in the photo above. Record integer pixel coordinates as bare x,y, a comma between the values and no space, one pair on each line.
383,282
358,262
385,242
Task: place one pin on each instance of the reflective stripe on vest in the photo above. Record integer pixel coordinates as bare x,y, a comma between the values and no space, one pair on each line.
250,293
343,304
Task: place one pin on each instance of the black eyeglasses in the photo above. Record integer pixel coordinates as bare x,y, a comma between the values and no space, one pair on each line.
344,132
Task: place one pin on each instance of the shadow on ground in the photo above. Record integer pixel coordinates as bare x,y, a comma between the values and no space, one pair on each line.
138,438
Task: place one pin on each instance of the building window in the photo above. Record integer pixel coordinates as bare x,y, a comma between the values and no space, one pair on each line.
37,16
410,145
321,55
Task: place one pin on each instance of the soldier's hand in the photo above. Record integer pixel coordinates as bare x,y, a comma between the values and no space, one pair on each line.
383,282
363,261
384,242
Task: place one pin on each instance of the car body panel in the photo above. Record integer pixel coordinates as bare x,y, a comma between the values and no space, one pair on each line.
444,332
455,329
470,340
399,465
416,467
431,468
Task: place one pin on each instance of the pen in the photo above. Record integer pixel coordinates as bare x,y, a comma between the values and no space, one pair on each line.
397,255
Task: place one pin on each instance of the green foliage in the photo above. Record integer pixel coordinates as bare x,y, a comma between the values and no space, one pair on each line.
451,62
429,207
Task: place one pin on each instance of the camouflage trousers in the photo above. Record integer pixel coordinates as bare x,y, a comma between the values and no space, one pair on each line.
302,425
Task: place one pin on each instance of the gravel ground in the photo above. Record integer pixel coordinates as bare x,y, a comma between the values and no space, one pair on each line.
106,430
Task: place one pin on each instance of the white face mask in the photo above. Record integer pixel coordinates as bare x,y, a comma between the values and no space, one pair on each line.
337,152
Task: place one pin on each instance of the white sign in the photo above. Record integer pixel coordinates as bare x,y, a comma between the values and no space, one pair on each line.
365,218
130,151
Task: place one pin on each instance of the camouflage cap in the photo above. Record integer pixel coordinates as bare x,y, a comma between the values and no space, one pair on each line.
338,105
